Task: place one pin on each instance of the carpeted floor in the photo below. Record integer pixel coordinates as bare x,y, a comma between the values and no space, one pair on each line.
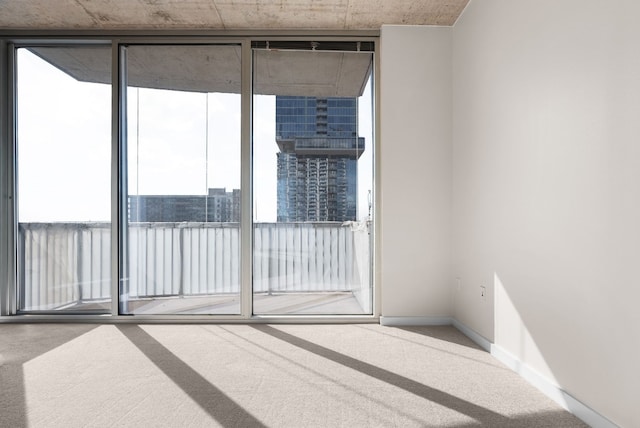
77,375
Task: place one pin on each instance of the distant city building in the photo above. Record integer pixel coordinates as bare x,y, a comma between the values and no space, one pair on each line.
318,158
217,206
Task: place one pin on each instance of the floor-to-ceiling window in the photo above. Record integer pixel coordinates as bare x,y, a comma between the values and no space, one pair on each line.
312,164
192,178
183,179
63,145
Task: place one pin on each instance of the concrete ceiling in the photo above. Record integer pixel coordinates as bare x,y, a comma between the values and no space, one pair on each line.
224,14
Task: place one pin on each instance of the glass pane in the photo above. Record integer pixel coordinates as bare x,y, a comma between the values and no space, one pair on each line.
312,168
64,193
183,137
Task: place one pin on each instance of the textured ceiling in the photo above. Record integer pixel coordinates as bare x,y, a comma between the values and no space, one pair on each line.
224,14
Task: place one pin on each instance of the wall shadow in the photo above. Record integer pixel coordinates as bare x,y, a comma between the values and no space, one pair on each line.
216,403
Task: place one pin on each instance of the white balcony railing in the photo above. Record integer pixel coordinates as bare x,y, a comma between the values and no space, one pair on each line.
64,264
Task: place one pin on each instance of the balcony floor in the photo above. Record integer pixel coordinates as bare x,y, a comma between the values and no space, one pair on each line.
324,303
307,303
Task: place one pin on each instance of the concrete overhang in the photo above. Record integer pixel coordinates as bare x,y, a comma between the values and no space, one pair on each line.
217,68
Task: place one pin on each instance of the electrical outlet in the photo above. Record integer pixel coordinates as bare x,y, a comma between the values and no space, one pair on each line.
483,291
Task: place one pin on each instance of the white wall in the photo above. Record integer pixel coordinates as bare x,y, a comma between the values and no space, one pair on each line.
415,170
546,166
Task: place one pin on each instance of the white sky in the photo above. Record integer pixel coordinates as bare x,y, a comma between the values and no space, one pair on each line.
64,145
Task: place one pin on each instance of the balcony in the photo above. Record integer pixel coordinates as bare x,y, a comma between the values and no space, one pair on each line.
191,268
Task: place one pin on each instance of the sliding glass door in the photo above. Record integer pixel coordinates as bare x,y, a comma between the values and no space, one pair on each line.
312,166
183,179
192,177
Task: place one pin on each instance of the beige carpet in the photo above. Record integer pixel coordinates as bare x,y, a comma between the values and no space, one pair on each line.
76,375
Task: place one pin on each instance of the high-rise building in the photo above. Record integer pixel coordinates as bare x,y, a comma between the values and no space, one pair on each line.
217,206
318,158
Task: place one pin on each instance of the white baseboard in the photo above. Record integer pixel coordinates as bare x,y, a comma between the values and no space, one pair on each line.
546,386
414,321
480,340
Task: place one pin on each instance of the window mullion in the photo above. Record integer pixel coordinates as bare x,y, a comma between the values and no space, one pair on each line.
246,226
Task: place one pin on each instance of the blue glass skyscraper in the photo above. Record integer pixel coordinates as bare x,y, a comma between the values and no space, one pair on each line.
317,163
